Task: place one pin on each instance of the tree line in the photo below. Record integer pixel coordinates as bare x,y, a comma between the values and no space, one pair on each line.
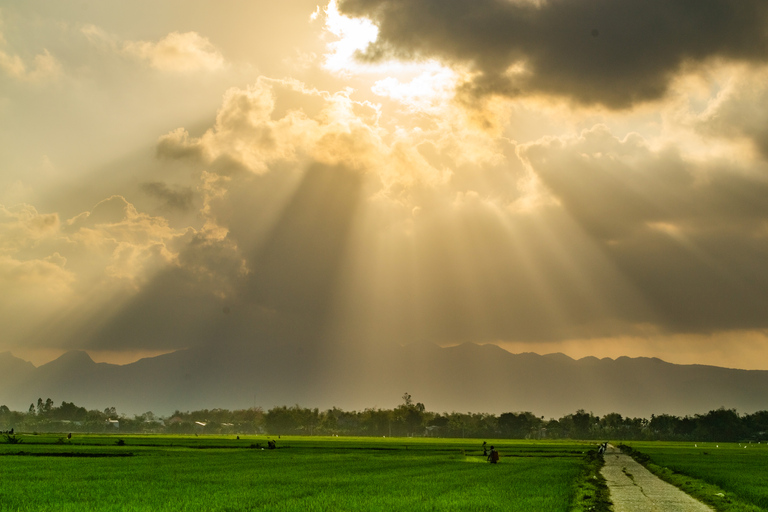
407,419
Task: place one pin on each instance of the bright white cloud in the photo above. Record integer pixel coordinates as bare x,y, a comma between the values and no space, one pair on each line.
419,85
353,36
430,90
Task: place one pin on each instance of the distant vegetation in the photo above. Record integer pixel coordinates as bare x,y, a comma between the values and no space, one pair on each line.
408,419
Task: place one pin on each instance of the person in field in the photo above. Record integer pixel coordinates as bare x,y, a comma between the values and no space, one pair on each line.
493,457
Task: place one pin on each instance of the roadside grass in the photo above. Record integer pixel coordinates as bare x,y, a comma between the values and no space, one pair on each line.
221,473
725,476
592,491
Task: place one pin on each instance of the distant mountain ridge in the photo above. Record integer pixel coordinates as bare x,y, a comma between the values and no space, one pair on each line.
468,377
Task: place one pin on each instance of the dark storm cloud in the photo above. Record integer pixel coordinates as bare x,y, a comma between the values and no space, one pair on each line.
610,52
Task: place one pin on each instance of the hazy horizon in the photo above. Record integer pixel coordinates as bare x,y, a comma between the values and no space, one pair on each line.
586,177
466,377
41,358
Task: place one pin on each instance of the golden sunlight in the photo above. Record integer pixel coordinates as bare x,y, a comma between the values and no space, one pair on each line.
376,173
354,35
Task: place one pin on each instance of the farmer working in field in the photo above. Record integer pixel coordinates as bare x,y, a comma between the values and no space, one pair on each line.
493,457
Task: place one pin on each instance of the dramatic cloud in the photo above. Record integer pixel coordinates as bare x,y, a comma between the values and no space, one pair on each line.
247,136
333,228
539,174
614,53
290,197
690,235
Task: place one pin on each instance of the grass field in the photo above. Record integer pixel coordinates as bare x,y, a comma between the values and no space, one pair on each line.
728,476
93,472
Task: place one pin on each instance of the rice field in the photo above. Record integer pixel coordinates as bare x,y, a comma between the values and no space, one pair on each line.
164,473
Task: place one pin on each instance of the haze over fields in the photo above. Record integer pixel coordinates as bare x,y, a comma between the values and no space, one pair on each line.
588,177
467,378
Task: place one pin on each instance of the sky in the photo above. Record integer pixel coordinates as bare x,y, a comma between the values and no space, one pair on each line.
579,176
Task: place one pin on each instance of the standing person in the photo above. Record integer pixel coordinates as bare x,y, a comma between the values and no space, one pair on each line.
493,457
485,449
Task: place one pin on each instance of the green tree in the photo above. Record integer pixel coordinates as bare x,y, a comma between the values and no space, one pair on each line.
376,422
519,425
612,425
756,425
293,420
457,424
720,425
69,411
663,426
409,416
578,425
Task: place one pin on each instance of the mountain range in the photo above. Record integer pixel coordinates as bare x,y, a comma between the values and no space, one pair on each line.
466,378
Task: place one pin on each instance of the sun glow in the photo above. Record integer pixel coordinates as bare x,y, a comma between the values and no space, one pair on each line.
428,90
420,85
354,36
387,171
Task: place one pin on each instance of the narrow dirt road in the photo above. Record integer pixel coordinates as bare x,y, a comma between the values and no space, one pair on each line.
635,489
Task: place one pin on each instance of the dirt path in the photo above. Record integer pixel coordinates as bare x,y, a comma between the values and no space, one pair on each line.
635,489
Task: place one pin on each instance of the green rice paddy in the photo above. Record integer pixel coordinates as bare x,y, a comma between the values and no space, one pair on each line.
159,473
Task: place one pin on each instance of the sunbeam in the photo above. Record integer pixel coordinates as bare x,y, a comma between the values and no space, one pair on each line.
336,190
